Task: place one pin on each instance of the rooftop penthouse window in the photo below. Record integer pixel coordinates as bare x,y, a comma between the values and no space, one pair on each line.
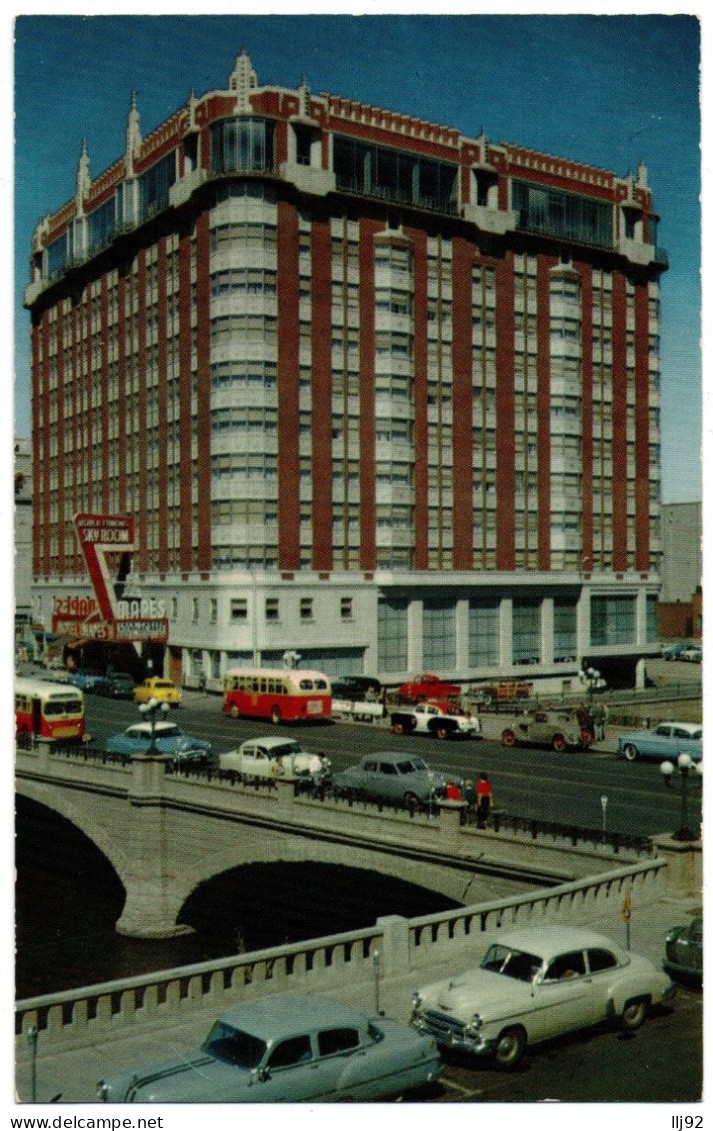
242,145
564,214
394,175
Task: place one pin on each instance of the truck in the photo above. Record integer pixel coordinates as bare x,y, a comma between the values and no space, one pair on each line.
427,686
441,720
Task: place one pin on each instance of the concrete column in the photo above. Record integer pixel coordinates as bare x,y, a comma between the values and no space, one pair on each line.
394,950
684,865
547,629
414,616
506,632
462,635
584,624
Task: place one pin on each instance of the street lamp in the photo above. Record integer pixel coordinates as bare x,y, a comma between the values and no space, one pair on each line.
150,709
690,774
591,677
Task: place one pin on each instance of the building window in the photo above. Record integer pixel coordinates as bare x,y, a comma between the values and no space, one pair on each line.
306,608
483,632
563,214
174,608
347,608
213,615
439,633
565,630
272,608
613,619
194,610
392,627
238,609
526,632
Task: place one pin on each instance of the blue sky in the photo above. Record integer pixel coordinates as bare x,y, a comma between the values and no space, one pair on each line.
608,90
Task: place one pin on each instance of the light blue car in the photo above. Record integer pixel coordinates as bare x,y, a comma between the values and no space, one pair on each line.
287,1048
665,742
179,748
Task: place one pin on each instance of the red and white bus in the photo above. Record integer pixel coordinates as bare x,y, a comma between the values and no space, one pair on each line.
53,711
283,696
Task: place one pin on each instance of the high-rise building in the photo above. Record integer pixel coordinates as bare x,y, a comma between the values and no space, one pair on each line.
371,390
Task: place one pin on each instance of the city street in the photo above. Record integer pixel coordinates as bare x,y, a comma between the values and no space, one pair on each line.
527,782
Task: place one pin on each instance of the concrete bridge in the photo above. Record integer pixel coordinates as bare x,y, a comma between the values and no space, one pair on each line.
165,833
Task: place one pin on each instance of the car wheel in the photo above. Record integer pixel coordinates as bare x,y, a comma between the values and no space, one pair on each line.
633,1014
398,728
234,712
442,732
411,800
275,716
508,738
510,1047
559,743
630,752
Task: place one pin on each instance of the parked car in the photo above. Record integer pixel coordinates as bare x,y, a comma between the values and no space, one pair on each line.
505,690
162,690
86,680
542,729
684,951
168,739
666,741
355,688
441,720
274,757
287,1049
390,777
691,654
427,686
115,685
534,984
673,651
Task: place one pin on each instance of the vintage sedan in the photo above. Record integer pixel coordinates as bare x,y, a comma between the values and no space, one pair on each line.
541,729
665,742
390,777
259,758
115,685
162,690
287,1049
537,983
168,739
684,951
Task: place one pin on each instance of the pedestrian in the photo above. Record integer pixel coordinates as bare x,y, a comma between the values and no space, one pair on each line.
483,800
469,798
202,683
604,719
453,792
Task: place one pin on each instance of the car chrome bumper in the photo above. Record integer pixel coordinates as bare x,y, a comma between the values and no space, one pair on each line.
449,1033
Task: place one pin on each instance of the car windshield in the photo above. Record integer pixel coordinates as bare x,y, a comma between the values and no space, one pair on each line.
233,1046
511,962
412,766
285,748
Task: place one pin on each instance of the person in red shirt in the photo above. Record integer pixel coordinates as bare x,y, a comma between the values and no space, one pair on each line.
483,800
453,792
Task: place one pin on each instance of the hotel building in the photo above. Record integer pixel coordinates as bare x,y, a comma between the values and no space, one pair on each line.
371,390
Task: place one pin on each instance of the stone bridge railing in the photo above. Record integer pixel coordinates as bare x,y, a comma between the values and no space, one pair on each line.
328,965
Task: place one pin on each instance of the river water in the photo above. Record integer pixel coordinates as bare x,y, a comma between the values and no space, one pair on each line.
68,899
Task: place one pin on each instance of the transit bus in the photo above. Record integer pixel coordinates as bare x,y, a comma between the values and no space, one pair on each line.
52,711
281,695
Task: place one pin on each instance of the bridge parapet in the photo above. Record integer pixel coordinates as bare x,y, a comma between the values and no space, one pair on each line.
342,964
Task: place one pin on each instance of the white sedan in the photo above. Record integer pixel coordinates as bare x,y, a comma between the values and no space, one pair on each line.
537,983
274,757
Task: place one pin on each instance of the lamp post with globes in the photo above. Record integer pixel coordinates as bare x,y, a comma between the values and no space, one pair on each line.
590,677
150,710
690,774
